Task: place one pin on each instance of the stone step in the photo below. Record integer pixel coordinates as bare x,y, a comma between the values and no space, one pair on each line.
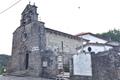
19,73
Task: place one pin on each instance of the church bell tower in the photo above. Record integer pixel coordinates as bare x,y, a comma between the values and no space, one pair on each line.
29,14
29,42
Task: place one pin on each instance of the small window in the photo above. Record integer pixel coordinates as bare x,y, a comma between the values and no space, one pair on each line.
24,37
27,61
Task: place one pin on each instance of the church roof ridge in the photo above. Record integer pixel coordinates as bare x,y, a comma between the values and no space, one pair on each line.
65,34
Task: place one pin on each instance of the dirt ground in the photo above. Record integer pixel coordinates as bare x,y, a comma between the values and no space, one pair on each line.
20,78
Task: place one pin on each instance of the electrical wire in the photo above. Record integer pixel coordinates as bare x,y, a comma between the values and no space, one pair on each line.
10,6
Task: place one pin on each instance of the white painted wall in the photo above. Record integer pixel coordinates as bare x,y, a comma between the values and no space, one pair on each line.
96,48
93,39
114,43
82,65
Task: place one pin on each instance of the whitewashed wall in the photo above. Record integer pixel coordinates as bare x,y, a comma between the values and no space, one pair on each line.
82,65
96,48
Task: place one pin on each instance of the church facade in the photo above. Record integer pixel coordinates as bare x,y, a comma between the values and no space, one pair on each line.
35,48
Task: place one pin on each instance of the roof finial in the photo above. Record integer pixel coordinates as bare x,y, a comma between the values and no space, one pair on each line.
34,3
29,2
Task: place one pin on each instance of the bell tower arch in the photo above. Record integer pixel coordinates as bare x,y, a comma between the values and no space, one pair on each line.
29,14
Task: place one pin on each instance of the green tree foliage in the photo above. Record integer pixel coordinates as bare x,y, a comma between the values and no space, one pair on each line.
111,35
66,67
1,70
3,62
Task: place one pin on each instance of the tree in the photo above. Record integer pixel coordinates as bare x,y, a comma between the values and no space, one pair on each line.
111,35
1,70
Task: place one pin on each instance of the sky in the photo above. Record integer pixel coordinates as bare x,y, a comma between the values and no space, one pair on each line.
70,16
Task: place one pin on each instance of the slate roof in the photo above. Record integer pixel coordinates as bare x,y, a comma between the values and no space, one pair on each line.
64,34
82,34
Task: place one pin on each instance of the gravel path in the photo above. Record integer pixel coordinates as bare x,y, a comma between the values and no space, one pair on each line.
20,78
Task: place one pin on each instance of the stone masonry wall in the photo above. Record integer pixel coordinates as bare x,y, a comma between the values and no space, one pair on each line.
104,65
53,41
29,39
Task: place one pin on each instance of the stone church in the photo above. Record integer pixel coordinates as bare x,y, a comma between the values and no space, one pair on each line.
35,48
